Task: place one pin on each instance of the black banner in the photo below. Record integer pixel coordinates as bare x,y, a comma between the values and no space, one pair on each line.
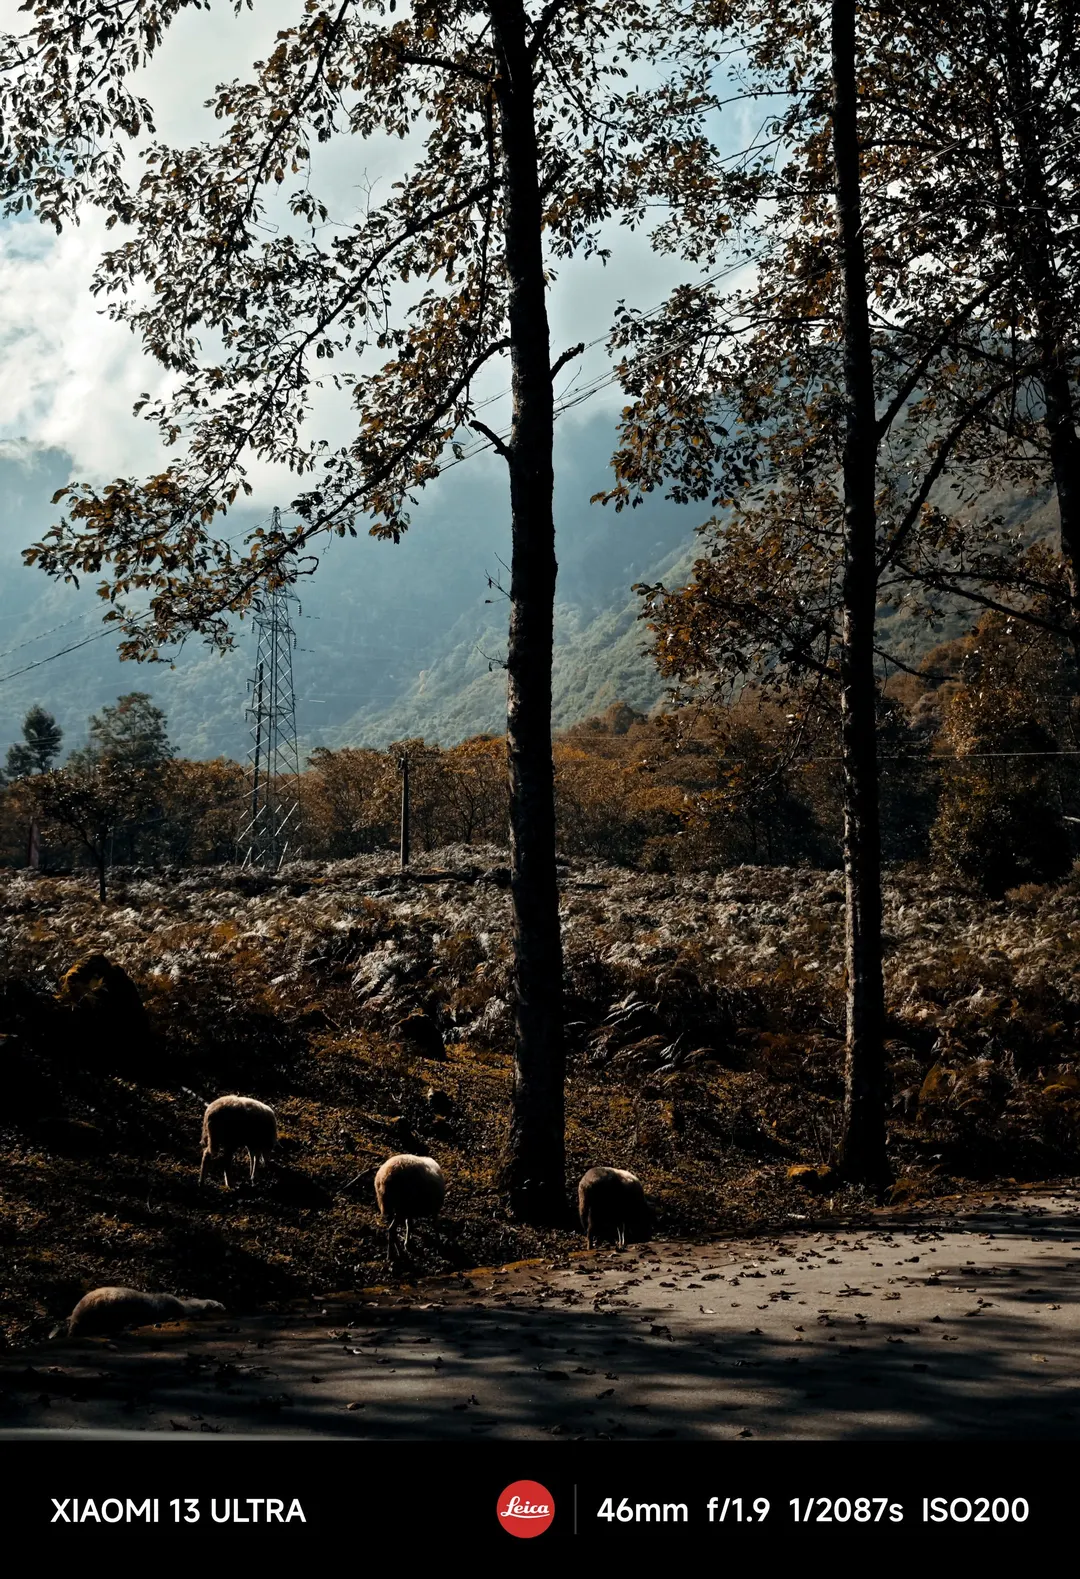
499,1493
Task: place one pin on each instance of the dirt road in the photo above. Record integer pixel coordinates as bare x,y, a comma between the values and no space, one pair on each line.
965,1323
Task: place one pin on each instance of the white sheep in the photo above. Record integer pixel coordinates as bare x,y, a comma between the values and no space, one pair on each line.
408,1187
232,1124
610,1201
112,1309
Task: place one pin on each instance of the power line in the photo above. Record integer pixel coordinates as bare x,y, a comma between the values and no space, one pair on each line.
62,653
602,381
41,635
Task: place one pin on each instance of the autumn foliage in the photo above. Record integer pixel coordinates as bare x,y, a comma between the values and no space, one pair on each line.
977,779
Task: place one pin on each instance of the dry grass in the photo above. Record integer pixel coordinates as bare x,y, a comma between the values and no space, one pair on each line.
704,1054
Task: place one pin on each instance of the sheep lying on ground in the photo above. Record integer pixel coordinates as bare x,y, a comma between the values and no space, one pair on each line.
113,1309
408,1187
232,1124
611,1202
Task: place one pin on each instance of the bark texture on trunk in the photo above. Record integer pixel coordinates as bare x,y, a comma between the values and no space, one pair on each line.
1033,240
862,1150
537,1143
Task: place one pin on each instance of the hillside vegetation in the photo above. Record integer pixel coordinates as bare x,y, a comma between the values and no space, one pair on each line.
370,1008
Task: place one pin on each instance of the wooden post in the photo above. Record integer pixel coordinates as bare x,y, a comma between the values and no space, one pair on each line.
403,767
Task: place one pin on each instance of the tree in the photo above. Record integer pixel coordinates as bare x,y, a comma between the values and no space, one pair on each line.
1002,808
749,802
977,110
42,737
476,789
350,801
608,808
862,1154
198,803
847,409
90,801
532,143
134,733
773,402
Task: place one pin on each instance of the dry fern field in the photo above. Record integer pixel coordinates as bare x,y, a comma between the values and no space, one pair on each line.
370,1009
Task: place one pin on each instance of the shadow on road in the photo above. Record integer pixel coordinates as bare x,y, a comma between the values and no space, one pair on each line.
900,1331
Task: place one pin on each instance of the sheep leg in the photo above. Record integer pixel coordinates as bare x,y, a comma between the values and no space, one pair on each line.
621,1236
225,1168
391,1241
202,1167
406,1233
251,1159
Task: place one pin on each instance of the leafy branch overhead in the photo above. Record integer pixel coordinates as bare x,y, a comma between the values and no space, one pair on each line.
736,389
243,283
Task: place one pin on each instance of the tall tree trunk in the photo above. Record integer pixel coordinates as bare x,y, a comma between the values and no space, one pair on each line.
537,1143
862,1151
1033,242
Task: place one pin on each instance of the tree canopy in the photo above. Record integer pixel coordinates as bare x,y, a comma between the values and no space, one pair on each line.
238,278
40,745
133,732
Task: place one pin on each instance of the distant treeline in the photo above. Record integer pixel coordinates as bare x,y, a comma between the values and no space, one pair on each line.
978,763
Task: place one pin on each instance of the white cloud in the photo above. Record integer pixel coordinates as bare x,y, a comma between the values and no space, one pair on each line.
72,375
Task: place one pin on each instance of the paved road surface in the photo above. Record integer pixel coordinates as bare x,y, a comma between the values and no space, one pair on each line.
960,1325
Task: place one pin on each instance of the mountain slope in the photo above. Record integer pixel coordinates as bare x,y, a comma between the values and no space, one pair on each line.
392,640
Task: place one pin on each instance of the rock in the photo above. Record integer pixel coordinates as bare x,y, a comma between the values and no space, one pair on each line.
420,1032
110,1026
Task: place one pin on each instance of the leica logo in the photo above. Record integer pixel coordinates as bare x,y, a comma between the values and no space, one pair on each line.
519,1509
526,1508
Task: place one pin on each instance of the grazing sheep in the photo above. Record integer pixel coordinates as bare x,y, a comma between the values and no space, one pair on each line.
232,1123
112,1309
611,1201
408,1187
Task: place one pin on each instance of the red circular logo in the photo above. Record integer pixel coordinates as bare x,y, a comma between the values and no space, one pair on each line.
526,1508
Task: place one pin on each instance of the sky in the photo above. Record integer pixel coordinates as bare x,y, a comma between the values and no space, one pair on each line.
71,376
77,374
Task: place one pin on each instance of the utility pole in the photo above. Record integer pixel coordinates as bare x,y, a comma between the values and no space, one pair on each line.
403,768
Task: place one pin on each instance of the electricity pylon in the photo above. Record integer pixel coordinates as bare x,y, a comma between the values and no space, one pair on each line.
270,821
